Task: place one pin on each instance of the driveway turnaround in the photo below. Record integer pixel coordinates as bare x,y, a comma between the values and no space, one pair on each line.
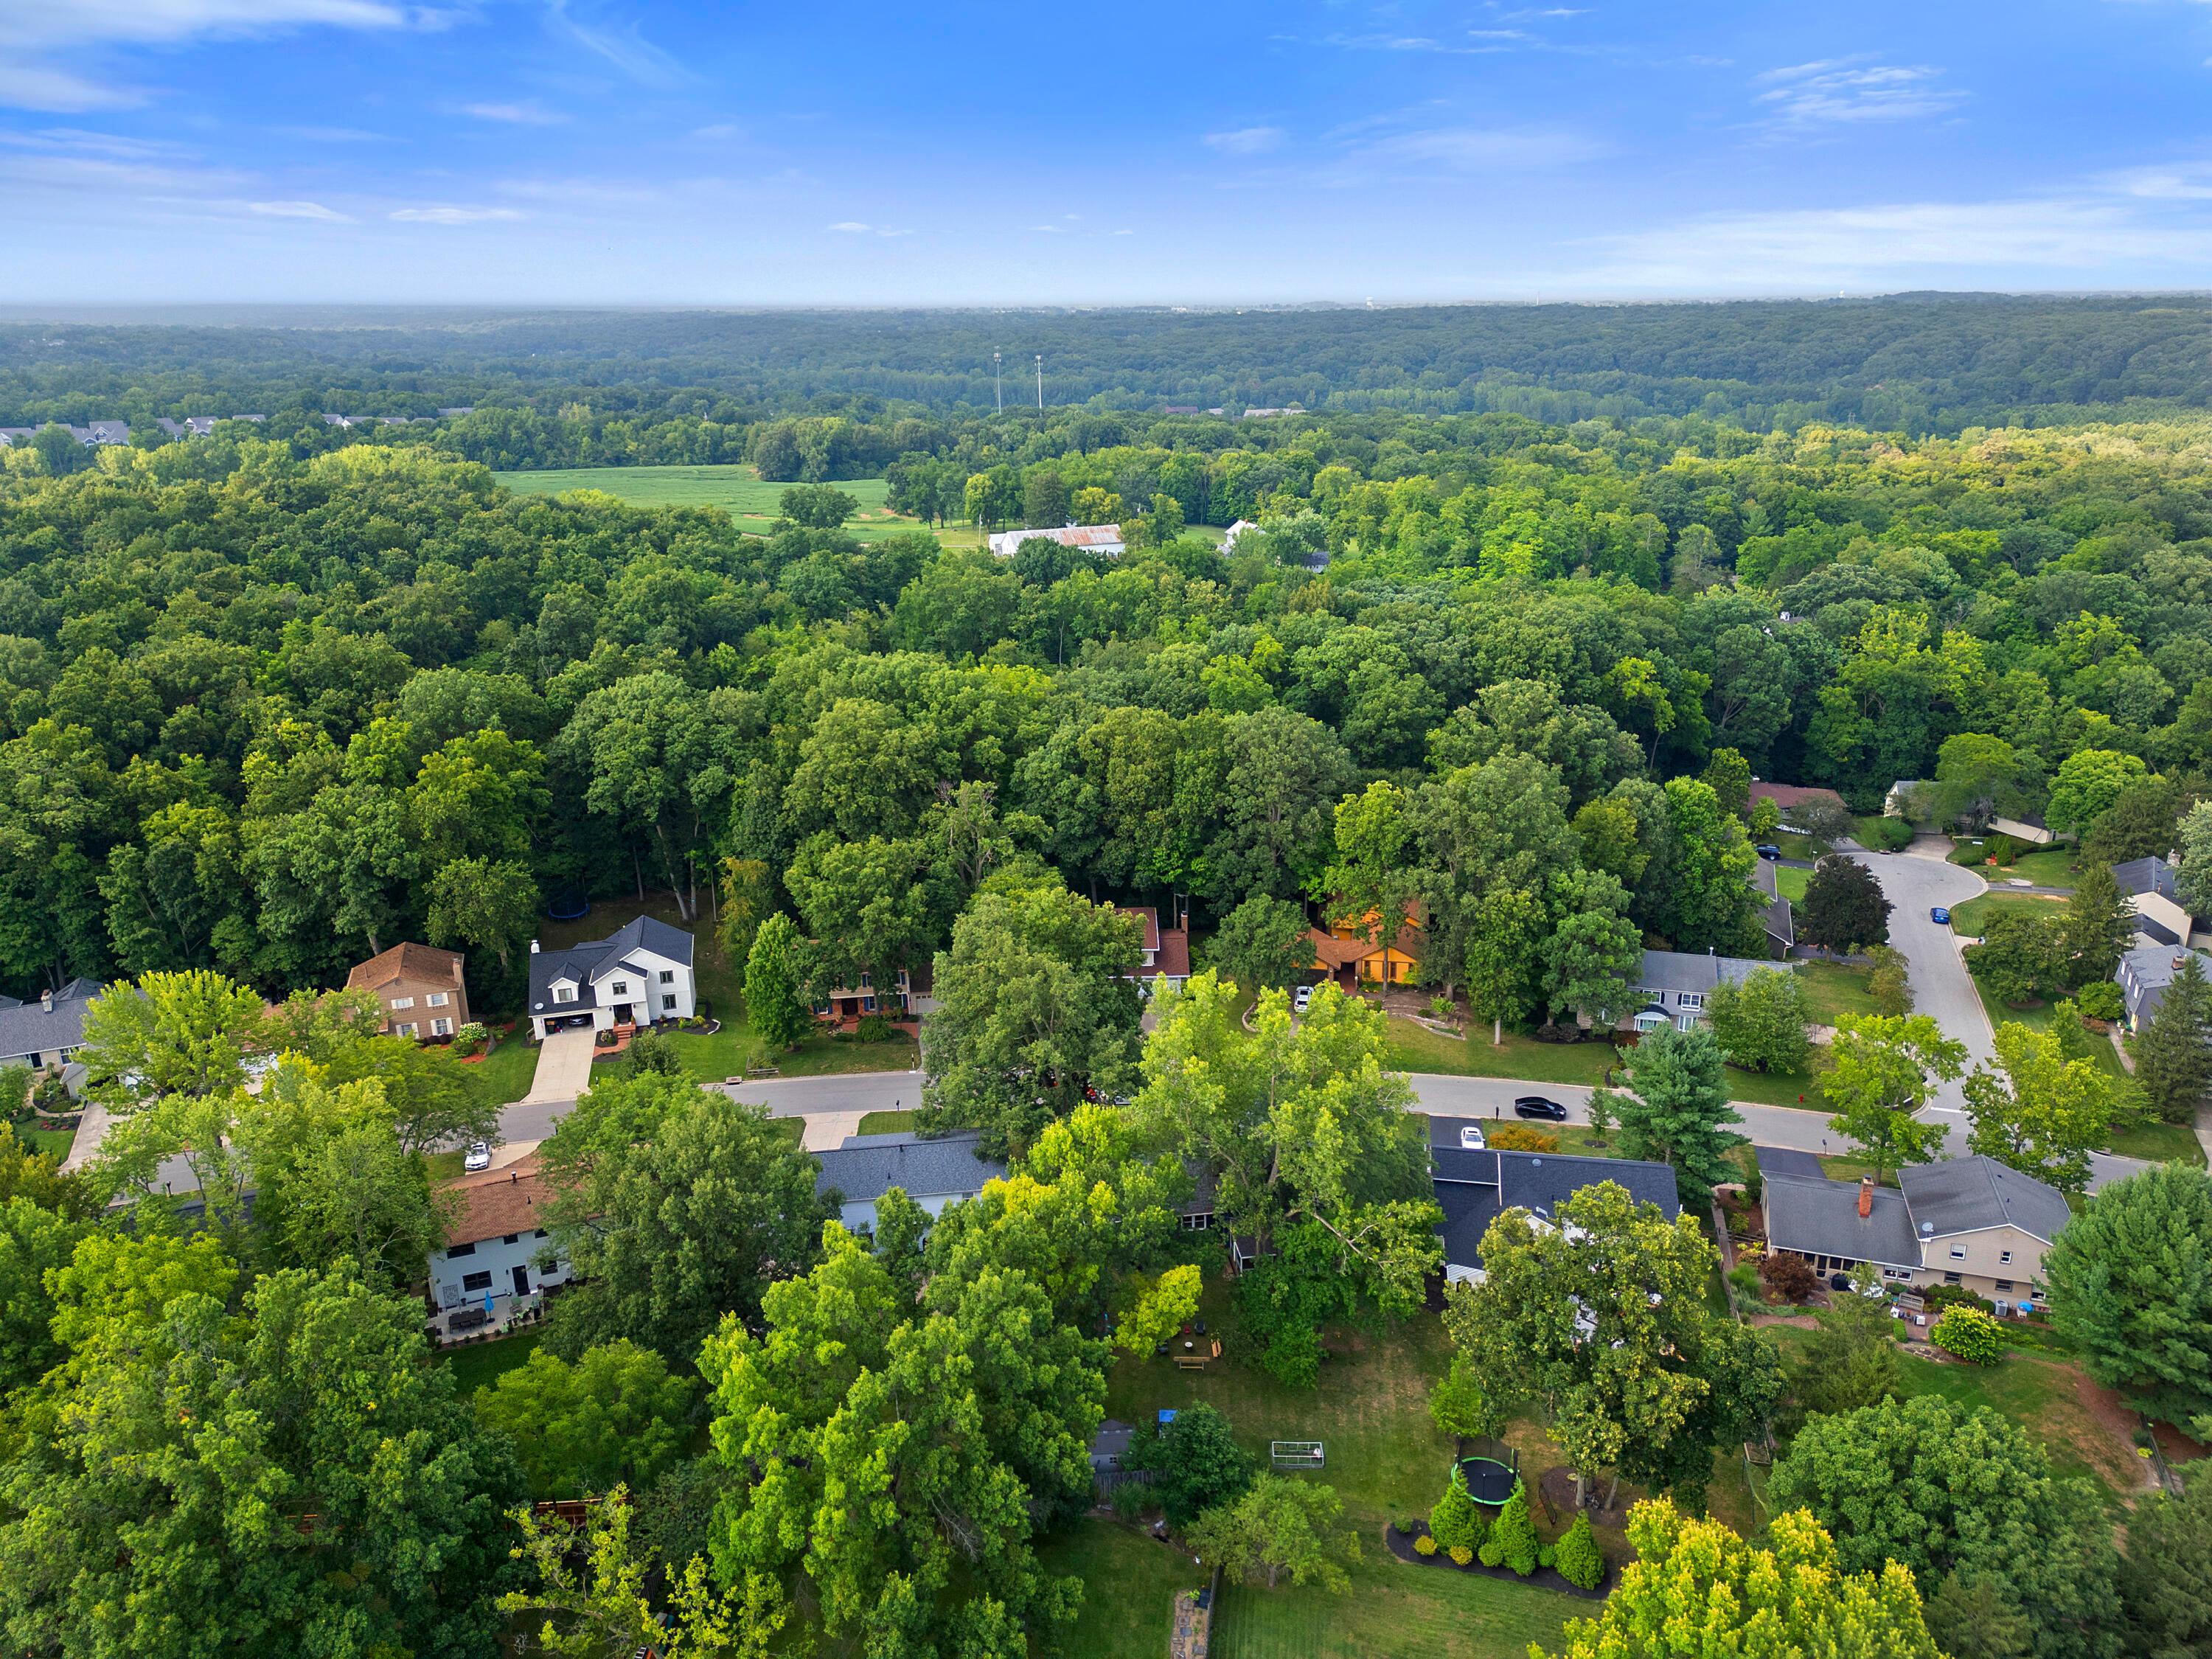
564,1068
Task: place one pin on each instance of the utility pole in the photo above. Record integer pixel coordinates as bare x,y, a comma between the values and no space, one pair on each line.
1040,380
998,382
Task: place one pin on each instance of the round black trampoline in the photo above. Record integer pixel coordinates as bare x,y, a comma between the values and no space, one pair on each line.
569,907
1489,1480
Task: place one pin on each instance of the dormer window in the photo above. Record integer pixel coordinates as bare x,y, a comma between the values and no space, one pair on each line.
622,987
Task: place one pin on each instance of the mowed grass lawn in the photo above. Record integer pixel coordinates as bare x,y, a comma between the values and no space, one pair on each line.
1968,920
737,490
711,1058
1369,1408
2159,1141
2052,1401
1414,1047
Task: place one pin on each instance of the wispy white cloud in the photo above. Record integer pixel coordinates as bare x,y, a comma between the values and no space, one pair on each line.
852,227
299,210
1850,90
1464,150
2180,181
449,213
720,130
34,34
330,135
524,114
1901,243
620,44
1246,141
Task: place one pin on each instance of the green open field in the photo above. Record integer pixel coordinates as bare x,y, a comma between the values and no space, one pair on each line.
737,490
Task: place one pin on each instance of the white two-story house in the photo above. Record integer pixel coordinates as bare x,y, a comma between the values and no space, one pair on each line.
639,974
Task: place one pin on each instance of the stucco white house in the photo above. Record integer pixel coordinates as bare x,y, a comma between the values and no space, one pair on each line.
640,972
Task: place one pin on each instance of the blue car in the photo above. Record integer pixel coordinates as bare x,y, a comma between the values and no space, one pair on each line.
1940,916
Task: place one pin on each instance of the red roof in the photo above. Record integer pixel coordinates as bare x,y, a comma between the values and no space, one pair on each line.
1787,795
406,962
1171,946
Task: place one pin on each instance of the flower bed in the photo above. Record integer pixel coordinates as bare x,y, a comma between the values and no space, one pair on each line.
1403,1545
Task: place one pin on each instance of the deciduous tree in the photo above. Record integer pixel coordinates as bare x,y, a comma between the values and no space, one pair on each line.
614,1417
1694,1583
2038,1110
1884,1070
1845,910
1759,1020
1279,1529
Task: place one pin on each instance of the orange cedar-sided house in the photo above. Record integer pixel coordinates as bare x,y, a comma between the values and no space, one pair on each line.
421,987
1347,951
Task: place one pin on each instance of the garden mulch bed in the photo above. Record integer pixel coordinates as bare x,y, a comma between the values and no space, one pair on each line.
1400,1543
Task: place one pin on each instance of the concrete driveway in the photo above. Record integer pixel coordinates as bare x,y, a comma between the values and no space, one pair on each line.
564,1068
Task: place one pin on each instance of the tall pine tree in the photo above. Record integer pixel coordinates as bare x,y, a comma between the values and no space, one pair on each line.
2173,1054
2100,926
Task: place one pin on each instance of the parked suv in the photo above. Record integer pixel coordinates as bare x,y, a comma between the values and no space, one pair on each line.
1537,1106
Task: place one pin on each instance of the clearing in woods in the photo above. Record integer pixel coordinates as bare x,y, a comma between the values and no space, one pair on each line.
736,489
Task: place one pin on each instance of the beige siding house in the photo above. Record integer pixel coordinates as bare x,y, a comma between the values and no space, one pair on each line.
1970,1222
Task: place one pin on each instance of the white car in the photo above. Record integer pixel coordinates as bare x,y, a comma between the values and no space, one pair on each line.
1301,998
478,1157
1470,1138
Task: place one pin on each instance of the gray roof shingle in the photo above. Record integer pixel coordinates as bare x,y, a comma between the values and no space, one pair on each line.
1474,1189
1814,1216
579,962
1683,970
30,1028
1966,1194
868,1166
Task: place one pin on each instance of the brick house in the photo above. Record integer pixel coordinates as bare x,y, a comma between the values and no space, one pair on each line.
420,986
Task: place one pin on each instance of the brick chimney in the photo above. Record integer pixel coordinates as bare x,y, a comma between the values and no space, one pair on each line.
1866,1196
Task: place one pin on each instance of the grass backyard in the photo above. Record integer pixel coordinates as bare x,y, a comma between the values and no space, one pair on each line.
475,1365
502,1077
1369,1408
723,1053
1834,989
1415,1047
2053,1401
1791,882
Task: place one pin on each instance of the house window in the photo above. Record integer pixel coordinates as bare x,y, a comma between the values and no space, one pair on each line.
540,1233
436,999
2005,1284
402,1030
1197,1223
398,1003
510,1238
668,976
1904,1274
1950,1279
1958,1253
1693,999
2004,1256
477,1282
441,1027
868,1005
454,1252
668,1004
622,987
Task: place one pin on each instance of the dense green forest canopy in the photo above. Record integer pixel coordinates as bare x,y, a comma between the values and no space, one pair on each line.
1914,363
267,709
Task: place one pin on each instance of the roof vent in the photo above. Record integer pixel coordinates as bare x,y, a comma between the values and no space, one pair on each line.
1928,1229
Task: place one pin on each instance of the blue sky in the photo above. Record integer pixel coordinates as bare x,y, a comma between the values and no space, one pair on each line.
577,151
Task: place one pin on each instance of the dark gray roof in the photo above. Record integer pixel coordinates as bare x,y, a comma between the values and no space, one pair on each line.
28,1028
1966,1194
1814,1216
1788,1161
579,962
1111,1443
1474,1188
2145,972
868,1166
1682,971
2146,875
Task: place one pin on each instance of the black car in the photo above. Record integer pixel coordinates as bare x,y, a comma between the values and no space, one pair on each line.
1769,851
1537,1106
